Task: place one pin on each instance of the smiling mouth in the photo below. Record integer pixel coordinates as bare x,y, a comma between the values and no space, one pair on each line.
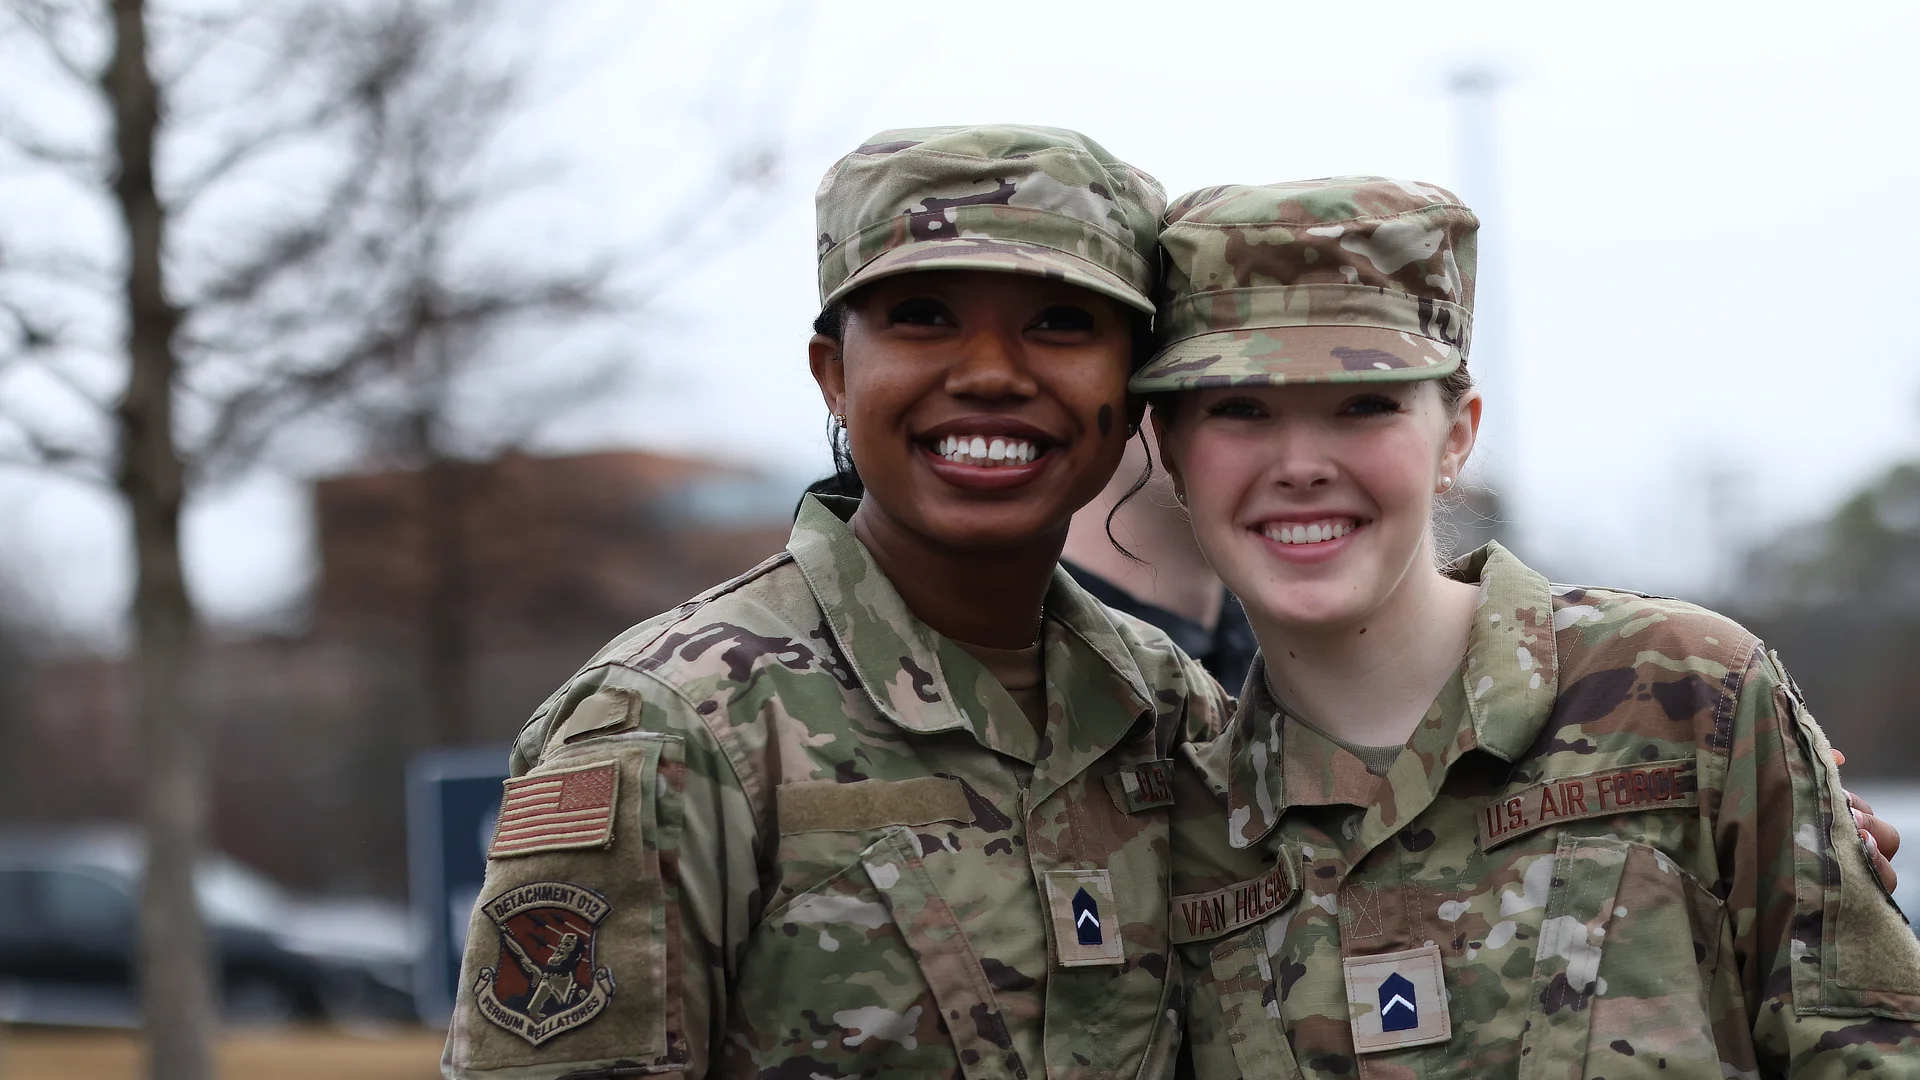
986,451
1317,532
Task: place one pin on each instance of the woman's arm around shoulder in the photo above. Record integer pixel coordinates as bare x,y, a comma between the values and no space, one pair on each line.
1830,967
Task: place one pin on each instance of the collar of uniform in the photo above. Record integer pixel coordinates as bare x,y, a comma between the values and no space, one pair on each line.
1503,695
895,656
1513,669
1510,676
925,683
1094,684
1256,783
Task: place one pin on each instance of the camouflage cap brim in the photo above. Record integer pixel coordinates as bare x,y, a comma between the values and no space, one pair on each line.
999,256
1292,355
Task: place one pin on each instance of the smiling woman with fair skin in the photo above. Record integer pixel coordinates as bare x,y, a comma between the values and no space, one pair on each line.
1469,824
1355,627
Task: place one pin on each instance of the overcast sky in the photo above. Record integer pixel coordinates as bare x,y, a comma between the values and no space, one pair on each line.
1698,230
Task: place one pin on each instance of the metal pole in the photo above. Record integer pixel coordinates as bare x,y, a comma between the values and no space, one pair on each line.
1475,91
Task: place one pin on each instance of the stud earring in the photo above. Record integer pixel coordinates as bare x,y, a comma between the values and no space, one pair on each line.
840,420
1446,484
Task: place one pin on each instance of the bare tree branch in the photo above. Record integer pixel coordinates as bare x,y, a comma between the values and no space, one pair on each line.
39,451
79,164
198,36
245,149
47,19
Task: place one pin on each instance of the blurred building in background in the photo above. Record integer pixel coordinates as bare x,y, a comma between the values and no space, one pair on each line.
449,602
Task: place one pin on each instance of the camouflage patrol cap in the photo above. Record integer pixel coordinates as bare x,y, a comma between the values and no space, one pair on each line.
1348,279
1024,200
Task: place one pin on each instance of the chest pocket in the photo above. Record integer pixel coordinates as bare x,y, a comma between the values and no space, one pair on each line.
1611,982
865,965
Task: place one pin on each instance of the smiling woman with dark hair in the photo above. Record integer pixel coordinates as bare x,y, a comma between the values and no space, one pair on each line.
896,802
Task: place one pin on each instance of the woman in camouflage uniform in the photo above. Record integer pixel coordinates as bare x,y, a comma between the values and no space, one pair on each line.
1466,823
829,819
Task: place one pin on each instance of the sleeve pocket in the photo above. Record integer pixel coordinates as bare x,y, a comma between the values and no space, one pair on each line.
1853,952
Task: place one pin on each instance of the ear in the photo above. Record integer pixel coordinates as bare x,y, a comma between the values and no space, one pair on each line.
824,358
1461,434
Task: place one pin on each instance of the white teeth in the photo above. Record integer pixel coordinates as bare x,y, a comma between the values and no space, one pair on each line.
1316,533
980,450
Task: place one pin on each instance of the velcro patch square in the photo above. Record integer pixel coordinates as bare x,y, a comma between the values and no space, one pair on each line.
1086,918
556,811
1396,1000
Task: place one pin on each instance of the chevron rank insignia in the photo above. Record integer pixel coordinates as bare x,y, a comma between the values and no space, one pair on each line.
1396,1000
1086,918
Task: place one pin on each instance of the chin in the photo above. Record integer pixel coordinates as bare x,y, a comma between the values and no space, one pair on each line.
1295,611
989,527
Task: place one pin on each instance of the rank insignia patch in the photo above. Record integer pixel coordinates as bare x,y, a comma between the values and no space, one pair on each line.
556,811
1396,1000
1399,1004
1087,918
546,982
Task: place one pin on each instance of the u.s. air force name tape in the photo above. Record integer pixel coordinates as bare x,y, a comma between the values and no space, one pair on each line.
1626,789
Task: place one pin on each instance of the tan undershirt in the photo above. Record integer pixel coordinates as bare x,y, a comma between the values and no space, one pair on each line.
1377,759
1019,673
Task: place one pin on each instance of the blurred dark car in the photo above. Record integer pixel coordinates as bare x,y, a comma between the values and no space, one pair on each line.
68,938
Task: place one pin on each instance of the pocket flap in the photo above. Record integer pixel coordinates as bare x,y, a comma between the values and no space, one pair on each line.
830,806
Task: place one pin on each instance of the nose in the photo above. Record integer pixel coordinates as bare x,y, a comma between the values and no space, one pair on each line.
1302,461
991,363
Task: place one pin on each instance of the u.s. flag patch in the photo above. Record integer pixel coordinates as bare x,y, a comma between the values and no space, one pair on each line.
556,811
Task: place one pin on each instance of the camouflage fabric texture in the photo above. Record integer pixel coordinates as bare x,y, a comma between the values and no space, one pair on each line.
1349,279
1030,200
1615,848
839,848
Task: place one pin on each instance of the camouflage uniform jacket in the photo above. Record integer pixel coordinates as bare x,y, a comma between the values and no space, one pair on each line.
1615,847
836,847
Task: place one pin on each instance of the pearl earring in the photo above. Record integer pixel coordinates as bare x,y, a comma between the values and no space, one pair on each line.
1446,484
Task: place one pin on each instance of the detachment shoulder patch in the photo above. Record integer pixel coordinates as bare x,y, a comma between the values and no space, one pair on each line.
545,982
556,811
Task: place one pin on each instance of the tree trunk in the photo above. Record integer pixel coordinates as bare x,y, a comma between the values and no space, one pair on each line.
175,969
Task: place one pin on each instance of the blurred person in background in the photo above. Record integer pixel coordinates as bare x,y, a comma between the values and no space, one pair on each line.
1468,824
1132,548
896,802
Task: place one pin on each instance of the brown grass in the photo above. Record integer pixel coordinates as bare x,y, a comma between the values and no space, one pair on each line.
291,1054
